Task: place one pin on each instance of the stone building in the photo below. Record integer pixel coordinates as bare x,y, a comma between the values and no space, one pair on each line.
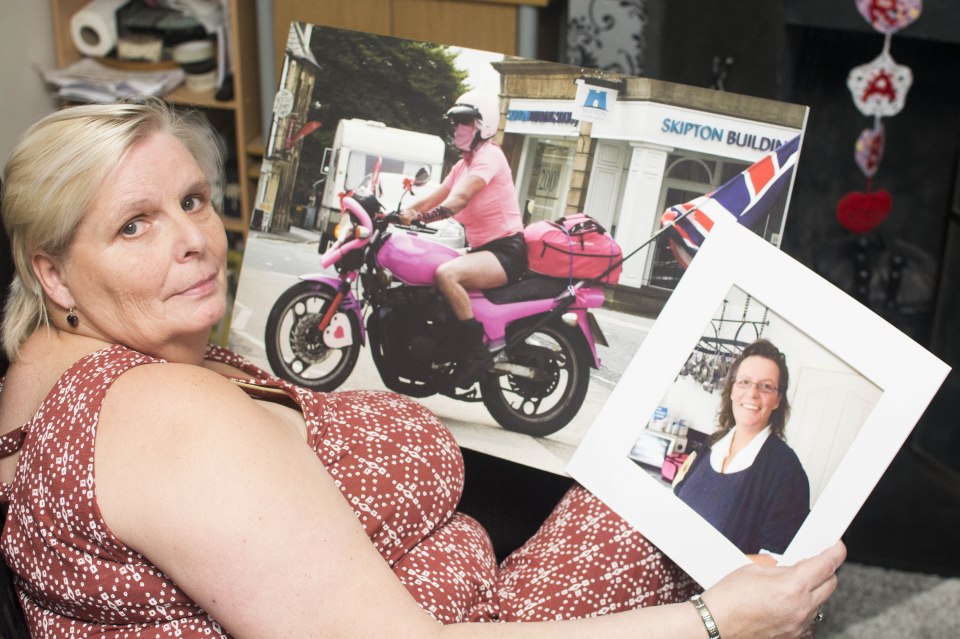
654,145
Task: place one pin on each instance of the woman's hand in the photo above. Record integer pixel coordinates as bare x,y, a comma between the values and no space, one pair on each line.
408,216
774,602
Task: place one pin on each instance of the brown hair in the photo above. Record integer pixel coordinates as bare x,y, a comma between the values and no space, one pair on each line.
779,416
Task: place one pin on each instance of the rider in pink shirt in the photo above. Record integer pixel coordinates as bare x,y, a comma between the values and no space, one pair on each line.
493,212
479,193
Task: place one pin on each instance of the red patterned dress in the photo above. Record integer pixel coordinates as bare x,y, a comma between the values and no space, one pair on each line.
397,466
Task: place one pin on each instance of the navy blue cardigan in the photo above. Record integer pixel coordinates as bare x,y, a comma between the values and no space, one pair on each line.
758,508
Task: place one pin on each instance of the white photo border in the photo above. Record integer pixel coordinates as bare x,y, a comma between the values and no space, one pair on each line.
907,375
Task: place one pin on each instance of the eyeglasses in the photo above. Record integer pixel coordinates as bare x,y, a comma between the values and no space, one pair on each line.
764,387
457,119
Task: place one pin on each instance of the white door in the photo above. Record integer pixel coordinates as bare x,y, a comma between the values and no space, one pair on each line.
605,191
826,413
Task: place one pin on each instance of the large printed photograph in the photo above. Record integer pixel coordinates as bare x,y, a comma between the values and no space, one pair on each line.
757,416
338,291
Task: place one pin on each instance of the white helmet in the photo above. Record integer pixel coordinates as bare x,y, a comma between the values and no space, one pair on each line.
480,106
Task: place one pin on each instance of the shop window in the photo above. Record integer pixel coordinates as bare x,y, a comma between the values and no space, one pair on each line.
686,177
694,170
546,177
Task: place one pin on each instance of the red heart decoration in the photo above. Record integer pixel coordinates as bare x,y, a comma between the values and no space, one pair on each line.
338,332
863,212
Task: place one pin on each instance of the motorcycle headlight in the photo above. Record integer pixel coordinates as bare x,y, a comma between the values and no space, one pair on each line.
343,231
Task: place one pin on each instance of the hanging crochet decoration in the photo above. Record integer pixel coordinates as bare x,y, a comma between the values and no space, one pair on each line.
888,16
879,89
869,149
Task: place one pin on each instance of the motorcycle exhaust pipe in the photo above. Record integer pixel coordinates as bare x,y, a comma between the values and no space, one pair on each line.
525,372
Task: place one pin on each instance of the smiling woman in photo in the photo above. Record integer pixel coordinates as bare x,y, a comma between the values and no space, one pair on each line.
749,484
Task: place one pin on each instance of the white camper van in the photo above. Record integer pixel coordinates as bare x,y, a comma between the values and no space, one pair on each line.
357,145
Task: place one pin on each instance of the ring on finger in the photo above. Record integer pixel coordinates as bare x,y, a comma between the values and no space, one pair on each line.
819,616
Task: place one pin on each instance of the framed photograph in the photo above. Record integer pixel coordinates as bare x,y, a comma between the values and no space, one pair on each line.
855,385
620,149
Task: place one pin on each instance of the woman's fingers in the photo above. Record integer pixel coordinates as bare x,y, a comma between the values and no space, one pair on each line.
763,602
821,579
821,569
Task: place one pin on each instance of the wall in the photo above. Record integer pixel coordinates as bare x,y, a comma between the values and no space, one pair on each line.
918,168
801,51
26,46
679,40
696,35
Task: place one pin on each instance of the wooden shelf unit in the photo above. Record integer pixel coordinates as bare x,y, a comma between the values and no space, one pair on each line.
490,25
243,109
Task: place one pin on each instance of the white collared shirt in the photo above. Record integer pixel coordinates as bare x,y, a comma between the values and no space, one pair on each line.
744,459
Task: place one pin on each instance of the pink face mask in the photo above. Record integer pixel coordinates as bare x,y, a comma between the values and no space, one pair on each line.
463,135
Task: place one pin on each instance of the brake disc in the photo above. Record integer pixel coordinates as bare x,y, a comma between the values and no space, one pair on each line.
307,340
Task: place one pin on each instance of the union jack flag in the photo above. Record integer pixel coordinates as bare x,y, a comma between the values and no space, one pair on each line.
746,198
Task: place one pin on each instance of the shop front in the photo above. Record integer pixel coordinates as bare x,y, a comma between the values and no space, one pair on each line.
658,144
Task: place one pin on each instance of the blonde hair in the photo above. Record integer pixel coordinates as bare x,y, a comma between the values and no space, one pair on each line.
55,172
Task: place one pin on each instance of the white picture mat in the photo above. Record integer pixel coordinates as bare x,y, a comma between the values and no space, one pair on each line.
907,374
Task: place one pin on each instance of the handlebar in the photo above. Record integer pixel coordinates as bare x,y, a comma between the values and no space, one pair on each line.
337,251
394,218
391,218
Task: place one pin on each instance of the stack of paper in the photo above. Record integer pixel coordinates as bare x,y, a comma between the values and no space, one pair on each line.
90,81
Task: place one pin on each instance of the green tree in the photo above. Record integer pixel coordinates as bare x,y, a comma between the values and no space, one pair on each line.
403,83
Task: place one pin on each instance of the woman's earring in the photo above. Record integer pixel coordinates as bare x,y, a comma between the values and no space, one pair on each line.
72,318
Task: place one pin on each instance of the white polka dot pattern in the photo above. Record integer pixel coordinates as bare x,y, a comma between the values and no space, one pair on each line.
75,579
396,465
585,560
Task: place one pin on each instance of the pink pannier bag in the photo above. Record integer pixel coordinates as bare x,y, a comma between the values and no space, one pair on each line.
575,246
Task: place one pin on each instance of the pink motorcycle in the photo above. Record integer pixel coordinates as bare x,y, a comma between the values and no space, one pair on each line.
540,330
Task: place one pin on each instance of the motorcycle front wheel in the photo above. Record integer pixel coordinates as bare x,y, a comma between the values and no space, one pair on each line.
295,345
540,405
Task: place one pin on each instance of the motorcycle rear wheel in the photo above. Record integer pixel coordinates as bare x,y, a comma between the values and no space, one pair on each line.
540,407
294,345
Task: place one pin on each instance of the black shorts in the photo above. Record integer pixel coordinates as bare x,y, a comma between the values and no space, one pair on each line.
511,252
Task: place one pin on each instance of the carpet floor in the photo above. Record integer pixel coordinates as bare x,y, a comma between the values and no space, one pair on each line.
880,603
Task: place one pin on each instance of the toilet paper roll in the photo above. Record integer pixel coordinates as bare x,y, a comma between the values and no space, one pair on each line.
94,27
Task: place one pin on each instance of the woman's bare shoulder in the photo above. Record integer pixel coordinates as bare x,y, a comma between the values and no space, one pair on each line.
165,430
165,402
167,377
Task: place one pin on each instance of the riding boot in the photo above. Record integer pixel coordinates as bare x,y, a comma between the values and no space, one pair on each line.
475,357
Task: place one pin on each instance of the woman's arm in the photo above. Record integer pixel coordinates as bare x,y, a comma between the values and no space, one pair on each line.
753,602
425,203
452,201
232,504
462,192
238,510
